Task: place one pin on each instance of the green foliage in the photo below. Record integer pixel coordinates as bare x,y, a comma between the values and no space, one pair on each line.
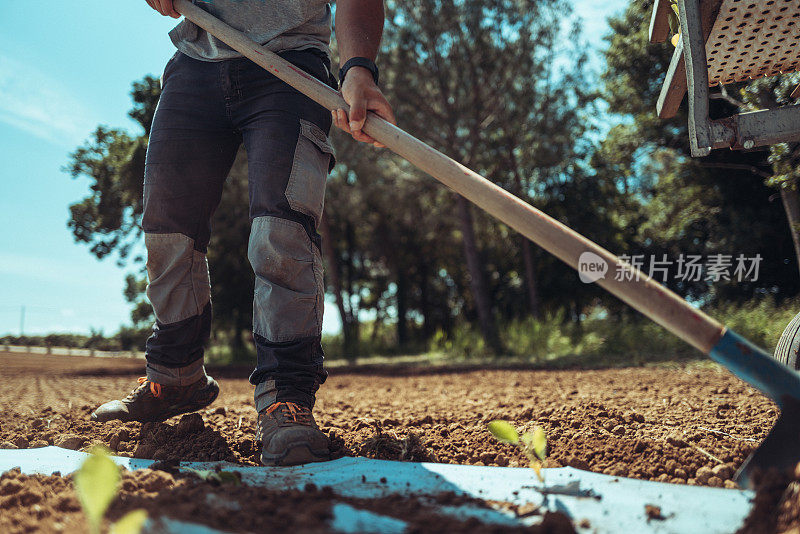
130,523
537,340
603,338
674,204
537,442
216,477
97,483
760,320
504,431
532,444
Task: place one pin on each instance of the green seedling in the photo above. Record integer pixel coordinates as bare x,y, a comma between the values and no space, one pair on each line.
218,477
532,444
97,483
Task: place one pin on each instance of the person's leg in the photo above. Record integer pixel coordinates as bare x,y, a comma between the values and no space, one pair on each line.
289,156
191,148
190,152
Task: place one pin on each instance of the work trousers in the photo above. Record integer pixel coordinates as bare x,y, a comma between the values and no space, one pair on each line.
206,111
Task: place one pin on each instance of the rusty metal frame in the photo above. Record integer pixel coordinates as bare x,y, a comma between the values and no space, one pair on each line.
746,130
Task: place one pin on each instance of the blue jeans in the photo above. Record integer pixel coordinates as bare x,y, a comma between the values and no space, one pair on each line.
206,111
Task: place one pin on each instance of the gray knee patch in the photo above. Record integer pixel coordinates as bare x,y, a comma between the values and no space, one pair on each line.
179,285
288,291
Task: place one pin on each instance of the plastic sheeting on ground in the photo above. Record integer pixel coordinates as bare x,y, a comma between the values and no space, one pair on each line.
608,504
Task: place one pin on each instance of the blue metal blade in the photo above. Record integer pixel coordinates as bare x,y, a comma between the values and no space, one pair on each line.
756,367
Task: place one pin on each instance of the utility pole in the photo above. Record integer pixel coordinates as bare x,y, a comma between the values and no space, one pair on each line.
22,321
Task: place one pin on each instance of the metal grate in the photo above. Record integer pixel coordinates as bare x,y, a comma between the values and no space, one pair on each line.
754,38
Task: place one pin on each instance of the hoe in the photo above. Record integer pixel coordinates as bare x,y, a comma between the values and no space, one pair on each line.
745,360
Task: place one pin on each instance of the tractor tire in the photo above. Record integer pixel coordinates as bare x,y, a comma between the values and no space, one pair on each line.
789,344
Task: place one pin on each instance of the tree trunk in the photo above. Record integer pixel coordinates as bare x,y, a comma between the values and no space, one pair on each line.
477,280
334,272
353,336
530,278
527,251
425,304
402,309
791,205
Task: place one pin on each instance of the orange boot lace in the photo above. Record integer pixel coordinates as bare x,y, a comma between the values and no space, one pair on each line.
299,414
155,388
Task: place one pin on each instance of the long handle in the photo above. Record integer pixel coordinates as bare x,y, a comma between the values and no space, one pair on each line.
745,360
624,281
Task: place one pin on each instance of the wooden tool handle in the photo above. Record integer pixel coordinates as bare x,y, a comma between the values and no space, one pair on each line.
633,287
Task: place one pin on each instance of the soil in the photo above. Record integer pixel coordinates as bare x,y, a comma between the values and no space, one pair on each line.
41,503
686,424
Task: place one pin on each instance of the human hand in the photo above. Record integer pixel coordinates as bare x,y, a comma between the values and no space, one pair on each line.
362,95
164,7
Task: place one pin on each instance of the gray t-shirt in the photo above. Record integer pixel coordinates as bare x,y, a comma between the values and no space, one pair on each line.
277,24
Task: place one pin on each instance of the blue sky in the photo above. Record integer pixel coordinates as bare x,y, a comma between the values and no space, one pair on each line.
66,67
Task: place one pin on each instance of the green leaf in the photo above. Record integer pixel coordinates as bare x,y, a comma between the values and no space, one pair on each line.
539,442
96,483
527,439
221,477
204,474
230,477
130,523
503,431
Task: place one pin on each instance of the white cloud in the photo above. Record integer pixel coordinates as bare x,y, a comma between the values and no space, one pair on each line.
36,103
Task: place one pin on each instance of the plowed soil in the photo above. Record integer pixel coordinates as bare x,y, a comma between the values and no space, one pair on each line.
685,424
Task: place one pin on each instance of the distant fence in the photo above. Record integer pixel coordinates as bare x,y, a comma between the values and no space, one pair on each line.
70,351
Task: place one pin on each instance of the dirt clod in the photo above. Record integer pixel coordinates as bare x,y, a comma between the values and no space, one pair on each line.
70,441
653,512
703,475
192,424
724,471
677,441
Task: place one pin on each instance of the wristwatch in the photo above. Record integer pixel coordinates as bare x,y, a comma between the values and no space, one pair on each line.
359,62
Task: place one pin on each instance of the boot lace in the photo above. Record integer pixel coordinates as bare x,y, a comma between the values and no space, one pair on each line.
155,388
290,410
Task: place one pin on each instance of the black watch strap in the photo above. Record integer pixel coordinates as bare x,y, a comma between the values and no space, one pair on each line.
359,62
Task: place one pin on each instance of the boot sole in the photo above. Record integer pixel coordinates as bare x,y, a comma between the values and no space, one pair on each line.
300,453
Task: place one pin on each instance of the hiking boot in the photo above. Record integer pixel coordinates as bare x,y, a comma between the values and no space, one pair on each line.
155,402
290,436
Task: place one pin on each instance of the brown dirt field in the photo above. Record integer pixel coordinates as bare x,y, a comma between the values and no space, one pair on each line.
41,503
687,424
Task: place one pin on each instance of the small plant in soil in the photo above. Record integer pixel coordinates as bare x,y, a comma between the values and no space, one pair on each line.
532,444
216,476
97,483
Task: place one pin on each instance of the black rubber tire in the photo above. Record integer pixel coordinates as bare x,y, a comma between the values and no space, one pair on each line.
789,344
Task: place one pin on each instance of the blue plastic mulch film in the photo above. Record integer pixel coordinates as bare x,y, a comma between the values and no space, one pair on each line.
753,365
595,502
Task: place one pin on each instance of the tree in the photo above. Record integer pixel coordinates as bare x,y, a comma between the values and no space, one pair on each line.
783,157
453,88
677,205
